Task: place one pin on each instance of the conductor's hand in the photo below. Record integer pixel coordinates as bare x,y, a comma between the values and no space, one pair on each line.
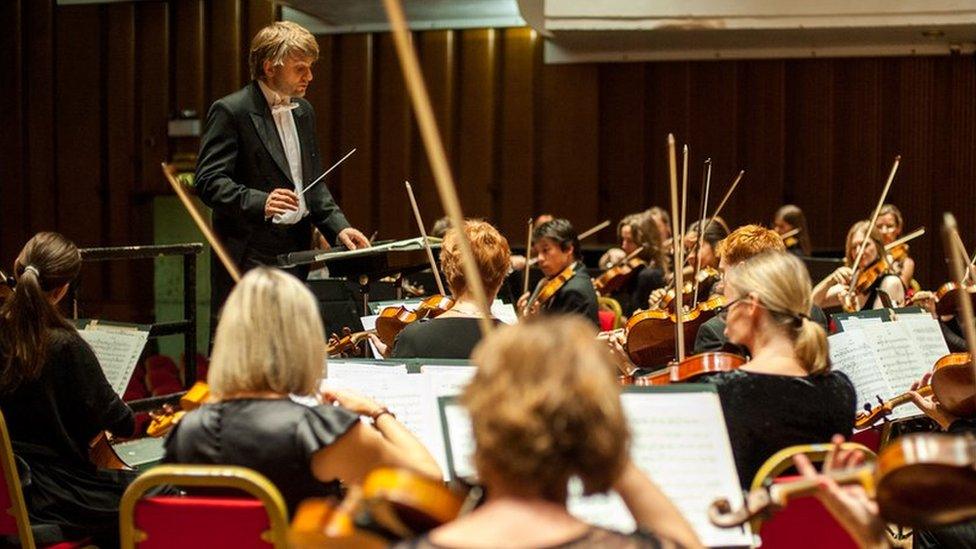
280,201
353,239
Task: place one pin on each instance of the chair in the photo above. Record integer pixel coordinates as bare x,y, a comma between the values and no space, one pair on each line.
14,521
614,319
260,521
804,523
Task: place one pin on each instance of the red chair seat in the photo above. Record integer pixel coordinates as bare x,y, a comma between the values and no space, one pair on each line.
195,521
808,516
606,319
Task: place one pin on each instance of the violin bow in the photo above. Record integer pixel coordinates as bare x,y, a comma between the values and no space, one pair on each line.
706,183
895,243
957,258
528,254
423,233
434,146
594,229
789,233
215,243
678,250
870,227
684,188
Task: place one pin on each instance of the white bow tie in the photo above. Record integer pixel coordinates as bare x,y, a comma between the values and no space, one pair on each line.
282,107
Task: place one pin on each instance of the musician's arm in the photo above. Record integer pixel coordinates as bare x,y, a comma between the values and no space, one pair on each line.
84,393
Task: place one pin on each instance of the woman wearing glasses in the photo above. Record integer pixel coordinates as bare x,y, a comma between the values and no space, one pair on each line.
787,394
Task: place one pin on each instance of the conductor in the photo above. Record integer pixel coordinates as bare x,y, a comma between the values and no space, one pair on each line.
257,155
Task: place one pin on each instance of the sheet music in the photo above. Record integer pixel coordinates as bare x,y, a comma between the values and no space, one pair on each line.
852,353
927,334
679,440
442,381
898,356
117,349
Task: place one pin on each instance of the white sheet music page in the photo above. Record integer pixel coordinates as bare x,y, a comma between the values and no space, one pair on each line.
853,353
907,349
117,349
442,381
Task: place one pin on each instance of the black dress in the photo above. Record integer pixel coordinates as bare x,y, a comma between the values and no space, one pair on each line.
765,413
51,421
593,537
634,294
576,296
275,437
452,337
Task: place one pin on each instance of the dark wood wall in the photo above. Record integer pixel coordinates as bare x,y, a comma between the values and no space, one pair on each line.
88,89
84,102
588,141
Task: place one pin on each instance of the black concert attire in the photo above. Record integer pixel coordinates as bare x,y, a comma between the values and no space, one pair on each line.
711,334
242,159
275,437
576,296
633,295
593,537
765,413
52,419
452,337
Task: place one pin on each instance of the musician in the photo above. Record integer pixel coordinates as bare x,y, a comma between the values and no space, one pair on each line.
269,345
56,400
662,220
891,225
787,394
833,291
454,333
545,408
741,244
789,218
258,151
635,231
557,252
713,233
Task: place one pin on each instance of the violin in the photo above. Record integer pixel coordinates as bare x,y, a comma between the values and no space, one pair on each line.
347,344
392,320
391,505
548,288
948,296
650,334
871,415
790,239
705,279
866,278
692,368
617,276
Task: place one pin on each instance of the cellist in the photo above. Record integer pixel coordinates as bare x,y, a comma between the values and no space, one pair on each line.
566,288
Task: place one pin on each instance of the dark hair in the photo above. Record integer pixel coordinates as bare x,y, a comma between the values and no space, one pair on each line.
715,231
644,232
560,231
47,262
795,217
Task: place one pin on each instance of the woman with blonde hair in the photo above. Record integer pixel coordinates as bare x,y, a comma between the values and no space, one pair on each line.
454,333
787,394
270,345
545,408
833,291
891,225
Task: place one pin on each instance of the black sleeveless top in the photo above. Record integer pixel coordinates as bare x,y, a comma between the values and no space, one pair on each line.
275,437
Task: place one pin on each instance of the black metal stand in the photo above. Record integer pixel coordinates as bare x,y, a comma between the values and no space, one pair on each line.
186,326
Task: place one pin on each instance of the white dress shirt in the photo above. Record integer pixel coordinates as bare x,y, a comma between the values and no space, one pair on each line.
281,111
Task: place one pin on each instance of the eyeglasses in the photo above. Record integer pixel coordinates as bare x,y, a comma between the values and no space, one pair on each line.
723,311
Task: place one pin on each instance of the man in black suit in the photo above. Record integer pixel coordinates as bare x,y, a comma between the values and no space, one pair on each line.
258,153
557,249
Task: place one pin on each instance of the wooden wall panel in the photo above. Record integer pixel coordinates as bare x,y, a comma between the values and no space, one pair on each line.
437,61
39,93
475,137
13,201
256,15
392,144
355,181
623,162
714,123
319,93
521,51
223,45
152,93
188,57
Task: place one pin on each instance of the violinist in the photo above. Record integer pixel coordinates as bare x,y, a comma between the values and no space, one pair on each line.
636,231
787,394
569,287
745,242
891,226
697,254
454,333
269,345
662,220
789,218
56,400
833,291
545,408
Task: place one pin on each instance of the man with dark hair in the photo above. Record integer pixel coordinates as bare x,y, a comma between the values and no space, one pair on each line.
257,155
557,251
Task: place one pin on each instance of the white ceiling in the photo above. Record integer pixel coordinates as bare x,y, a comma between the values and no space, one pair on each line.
340,16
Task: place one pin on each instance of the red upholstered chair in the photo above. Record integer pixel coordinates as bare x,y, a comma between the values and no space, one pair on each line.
259,521
162,375
804,523
610,314
14,521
